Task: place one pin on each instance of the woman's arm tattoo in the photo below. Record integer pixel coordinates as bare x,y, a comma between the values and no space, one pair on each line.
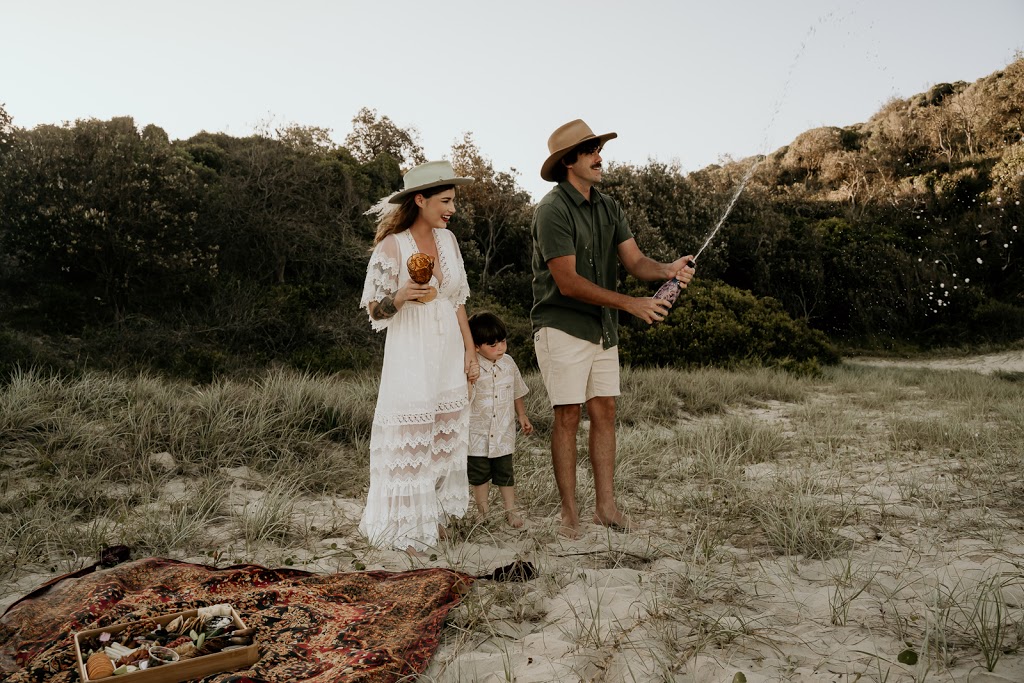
385,309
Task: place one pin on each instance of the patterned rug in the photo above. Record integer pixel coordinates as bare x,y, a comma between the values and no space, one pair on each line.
360,626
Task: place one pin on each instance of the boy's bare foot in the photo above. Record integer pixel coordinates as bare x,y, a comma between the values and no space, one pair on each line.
514,519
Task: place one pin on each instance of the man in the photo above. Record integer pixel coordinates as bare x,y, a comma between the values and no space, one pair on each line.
579,235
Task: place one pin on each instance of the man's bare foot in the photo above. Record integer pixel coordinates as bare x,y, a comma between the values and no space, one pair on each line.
569,528
514,519
616,521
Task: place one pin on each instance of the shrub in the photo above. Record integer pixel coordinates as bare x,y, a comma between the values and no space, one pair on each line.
998,321
19,350
722,325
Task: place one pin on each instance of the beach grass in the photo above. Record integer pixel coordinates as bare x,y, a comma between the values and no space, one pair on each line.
776,515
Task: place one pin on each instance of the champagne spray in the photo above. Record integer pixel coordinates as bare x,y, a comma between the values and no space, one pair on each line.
670,290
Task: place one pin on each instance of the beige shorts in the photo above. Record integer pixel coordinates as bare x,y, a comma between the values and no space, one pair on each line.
575,370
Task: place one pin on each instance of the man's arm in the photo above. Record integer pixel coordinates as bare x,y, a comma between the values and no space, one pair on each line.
643,268
575,286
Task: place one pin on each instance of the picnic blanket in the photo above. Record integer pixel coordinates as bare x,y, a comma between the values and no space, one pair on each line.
360,626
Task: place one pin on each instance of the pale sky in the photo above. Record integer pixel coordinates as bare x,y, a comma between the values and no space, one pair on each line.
679,81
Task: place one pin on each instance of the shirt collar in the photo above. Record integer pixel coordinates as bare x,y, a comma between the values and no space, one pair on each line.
486,365
577,198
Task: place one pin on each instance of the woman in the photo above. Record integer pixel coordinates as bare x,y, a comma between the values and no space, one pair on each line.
420,426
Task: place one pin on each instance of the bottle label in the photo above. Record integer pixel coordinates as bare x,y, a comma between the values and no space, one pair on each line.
668,291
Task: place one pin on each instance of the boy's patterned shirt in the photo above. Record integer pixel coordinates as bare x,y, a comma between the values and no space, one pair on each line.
492,422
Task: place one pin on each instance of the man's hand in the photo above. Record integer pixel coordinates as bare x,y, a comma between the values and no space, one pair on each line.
649,309
681,271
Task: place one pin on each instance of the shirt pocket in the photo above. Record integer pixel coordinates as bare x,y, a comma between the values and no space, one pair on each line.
505,395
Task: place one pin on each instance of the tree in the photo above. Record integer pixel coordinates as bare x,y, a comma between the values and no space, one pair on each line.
285,208
6,128
373,135
107,211
494,209
310,139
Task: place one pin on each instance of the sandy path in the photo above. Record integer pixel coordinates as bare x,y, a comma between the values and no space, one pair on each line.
1007,361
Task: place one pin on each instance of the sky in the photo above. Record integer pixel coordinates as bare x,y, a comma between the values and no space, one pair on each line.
680,81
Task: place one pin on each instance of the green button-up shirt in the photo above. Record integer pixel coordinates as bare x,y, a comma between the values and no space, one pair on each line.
566,224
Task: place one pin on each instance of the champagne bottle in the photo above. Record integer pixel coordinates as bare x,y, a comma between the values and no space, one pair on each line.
669,291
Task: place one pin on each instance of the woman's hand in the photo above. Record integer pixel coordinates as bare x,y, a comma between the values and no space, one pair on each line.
389,306
411,291
472,366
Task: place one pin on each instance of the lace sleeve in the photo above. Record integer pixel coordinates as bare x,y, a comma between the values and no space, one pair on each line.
461,294
381,278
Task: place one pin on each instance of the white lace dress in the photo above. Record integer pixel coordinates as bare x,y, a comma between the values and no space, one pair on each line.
421,424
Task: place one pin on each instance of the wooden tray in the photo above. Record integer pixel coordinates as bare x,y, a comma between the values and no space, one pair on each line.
176,672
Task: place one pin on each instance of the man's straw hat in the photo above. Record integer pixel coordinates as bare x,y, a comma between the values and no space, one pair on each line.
564,139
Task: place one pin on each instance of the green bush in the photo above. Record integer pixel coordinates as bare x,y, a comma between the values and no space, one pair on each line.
19,350
720,325
998,321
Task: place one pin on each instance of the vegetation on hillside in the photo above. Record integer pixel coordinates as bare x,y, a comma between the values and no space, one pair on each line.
217,254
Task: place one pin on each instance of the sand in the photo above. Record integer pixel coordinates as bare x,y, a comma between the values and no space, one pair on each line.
922,561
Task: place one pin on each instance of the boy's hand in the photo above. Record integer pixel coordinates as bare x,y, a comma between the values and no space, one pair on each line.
524,425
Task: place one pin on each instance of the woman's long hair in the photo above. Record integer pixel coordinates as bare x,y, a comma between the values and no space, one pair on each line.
404,216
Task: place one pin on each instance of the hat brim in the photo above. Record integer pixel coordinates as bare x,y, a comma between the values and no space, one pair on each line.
556,156
399,197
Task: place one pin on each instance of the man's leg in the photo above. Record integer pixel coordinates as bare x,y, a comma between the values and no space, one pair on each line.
601,410
563,459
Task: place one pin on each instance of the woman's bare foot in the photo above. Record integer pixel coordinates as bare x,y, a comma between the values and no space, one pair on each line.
412,552
442,533
514,519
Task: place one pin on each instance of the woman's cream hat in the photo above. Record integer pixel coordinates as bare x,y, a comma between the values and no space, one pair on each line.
564,139
424,176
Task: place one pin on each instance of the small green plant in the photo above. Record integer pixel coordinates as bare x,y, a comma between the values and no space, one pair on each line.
798,519
986,618
846,588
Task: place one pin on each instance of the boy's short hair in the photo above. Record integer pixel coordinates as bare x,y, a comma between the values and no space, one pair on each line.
487,328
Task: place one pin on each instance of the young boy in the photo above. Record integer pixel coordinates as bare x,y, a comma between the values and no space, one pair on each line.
497,405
